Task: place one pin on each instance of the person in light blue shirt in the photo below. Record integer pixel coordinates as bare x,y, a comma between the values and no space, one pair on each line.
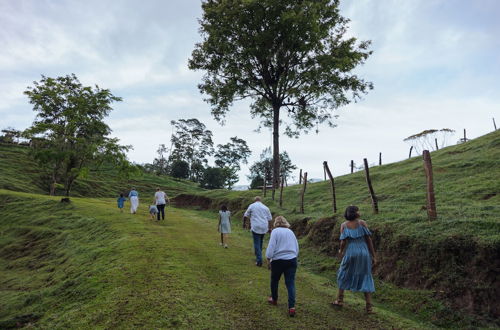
282,252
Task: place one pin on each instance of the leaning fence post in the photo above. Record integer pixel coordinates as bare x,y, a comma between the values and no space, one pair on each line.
411,149
300,176
370,187
431,198
281,190
436,140
352,166
494,124
303,193
332,185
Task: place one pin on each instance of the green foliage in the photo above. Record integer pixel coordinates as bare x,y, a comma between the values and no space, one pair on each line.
232,153
70,130
214,178
264,168
280,54
192,142
179,169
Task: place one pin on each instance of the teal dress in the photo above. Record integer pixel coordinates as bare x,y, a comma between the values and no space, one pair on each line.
355,271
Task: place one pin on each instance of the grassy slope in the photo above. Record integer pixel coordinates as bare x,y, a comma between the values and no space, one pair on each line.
85,265
19,172
467,187
455,256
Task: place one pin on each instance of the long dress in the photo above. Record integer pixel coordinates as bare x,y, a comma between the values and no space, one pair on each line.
134,201
355,271
225,225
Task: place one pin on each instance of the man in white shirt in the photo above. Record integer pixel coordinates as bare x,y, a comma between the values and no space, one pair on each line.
160,200
259,216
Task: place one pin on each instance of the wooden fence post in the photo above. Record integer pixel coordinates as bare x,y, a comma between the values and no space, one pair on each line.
370,187
352,166
379,158
332,185
494,124
431,199
300,176
465,135
281,190
436,141
411,149
324,174
303,193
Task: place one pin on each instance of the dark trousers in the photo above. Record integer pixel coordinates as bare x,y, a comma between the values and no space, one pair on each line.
161,209
258,240
287,267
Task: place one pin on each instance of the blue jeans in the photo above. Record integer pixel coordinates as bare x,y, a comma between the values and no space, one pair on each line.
258,240
287,267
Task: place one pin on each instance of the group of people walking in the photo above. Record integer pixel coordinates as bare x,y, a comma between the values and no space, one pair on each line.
156,209
356,247
356,251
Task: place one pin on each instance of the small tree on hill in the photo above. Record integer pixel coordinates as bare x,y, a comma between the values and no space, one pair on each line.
69,129
229,156
283,55
427,139
180,169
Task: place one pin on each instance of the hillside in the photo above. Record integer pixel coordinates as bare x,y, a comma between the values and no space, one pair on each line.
85,265
18,172
457,255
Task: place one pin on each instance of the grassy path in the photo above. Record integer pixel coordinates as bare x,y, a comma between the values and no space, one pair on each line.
175,274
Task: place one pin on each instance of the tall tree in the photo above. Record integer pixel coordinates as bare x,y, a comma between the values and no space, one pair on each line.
281,54
192,142
232,153
69,129
160,164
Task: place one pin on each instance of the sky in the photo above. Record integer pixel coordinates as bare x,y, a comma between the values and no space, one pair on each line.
435,64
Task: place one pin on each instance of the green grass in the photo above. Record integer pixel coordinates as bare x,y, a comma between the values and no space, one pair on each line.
455,256
85,265
19,172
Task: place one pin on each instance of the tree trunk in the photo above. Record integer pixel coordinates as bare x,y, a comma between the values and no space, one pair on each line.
276,146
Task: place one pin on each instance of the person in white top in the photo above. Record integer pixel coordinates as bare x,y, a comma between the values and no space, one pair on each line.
259,216
282,253
161,200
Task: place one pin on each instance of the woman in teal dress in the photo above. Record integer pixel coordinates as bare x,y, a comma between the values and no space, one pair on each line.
358,254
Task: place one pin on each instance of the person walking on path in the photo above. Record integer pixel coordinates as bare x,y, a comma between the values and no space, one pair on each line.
259,216
133,196
282,253
224,226
161,199
358,254
121,201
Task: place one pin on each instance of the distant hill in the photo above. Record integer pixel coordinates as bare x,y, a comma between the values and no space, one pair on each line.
19,172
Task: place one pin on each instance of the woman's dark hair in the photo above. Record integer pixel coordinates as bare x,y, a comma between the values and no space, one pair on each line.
223,208
121,195
351,213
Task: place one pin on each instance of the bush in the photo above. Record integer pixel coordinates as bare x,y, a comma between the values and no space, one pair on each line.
180,169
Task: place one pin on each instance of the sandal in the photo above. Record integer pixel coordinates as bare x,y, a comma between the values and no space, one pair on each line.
339,302
369,309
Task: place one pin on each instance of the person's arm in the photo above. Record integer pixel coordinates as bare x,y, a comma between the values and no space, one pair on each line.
269,221
246,218
343,243
270,247
369,242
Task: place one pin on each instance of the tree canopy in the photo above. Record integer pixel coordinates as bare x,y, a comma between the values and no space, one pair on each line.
69,129
280,54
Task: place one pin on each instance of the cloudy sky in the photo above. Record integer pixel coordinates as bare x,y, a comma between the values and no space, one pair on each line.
436,64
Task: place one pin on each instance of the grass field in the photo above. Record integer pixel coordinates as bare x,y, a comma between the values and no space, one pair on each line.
85,265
